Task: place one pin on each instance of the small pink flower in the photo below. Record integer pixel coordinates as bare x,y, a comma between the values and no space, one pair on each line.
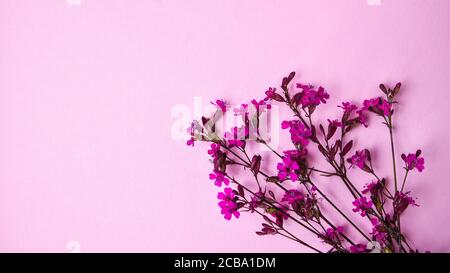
359,248
299,132
335,122
368,188
414,161
215,148
402,201
292,196
228,205
287,168
236,136
219,178
334,234
378,105
221,105
312,97
362,205
348,107
358,159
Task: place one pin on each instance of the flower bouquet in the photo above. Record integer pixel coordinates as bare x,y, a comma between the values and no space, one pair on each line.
288,189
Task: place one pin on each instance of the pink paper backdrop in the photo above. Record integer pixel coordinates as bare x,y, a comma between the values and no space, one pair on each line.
86,94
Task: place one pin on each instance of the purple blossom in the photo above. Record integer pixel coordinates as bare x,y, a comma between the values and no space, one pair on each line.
335,122
334,234
215,148
219,178
348,107
402,201
292,196
312,97
228,205
299,132
362,118
378,231
259,104
287,168
370,187
362,205
414,161
236,136
378,105
359,248
358,159
221,105
242,110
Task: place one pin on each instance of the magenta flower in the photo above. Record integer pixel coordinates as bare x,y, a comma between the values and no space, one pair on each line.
221,105
228,205
358,159
215,148
242,110
414,161
256,201
260,105
236,136
362,118
348,107
402,201
335,122
271,94
287,168
299,132
370,187
378,231
219,178
362,205
292,196
378,105
359,248
333,234
311,97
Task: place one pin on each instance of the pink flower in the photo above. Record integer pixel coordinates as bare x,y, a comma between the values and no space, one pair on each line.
260,105
414,161
221,105
371,187
362,205
193,130
335,122
219,178
362,118
348,107
359,248
292,196
402,201
299,133
312,97
358,159
256,201
234,138
215,148
378,231
287,168
378,105
228,205
241,111
334,234
271,94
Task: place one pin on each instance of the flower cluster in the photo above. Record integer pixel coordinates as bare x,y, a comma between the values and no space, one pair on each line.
228,204
381,202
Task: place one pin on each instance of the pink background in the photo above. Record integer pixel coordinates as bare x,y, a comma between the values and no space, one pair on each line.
86,94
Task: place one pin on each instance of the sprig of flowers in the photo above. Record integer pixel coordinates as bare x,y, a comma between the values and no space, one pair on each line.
298,197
